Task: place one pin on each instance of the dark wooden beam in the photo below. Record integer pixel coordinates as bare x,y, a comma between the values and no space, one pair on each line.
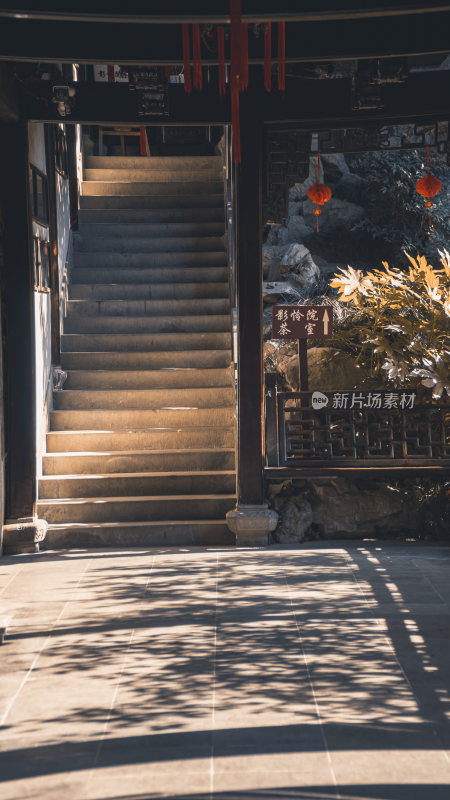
175,11
361,471
9,97
18,309
111,103
324,39
248,244
305,103
53,242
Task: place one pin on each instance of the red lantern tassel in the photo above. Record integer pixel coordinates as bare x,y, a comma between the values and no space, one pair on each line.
186,59
281,56
143,141
244,54
235,75
167,72
268,57
197,57
110,69
221,58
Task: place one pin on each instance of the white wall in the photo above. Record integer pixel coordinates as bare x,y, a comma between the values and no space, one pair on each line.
42,300
36,145
42,318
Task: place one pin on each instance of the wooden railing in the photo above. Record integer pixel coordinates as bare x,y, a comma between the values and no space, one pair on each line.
332,438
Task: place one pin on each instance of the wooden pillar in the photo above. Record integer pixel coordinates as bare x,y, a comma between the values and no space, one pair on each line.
248,230
73,177
18,331
53,240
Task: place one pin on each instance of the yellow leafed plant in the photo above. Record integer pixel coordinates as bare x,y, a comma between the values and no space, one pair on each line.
403,321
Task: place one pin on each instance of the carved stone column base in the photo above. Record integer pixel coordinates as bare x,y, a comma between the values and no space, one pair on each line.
252,525
23,535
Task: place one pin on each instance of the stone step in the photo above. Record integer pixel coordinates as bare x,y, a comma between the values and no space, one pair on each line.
199,533
151,163
135,201
141,291
112,231
159,176
136,509
118,461
160,324
119,275
138,419
127,244
147,308
153,440
131,342
128,261
174,359
137,484
180,377
189,215
188,397
133,188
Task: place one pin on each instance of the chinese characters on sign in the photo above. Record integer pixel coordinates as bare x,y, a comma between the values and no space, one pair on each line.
367,401
302,322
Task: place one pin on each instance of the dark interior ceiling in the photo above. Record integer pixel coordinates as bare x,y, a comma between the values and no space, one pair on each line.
150,33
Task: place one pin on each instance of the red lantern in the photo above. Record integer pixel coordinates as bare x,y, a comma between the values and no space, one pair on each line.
319,193
428,186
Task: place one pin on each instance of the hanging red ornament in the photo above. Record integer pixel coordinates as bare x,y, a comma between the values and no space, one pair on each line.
268,56
186,59
197,57
428,186
235,75
221,58
281,56
319,193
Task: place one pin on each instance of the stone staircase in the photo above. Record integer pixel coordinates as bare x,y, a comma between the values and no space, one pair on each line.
141,443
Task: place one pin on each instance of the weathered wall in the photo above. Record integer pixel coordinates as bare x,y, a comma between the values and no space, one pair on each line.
42,300
64,236
2,418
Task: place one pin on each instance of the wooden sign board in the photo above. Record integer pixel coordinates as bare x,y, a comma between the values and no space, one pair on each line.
302,322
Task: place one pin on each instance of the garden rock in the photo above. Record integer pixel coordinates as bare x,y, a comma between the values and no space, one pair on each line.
335,214
295,518
298,262
356,509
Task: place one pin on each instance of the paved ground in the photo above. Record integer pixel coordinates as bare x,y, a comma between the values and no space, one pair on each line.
318,672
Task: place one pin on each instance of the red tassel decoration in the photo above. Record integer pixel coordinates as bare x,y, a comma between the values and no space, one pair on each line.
186,59
221,58
197,57
143,142
268,57
235,75
167,72
244,55
281,56
110,73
